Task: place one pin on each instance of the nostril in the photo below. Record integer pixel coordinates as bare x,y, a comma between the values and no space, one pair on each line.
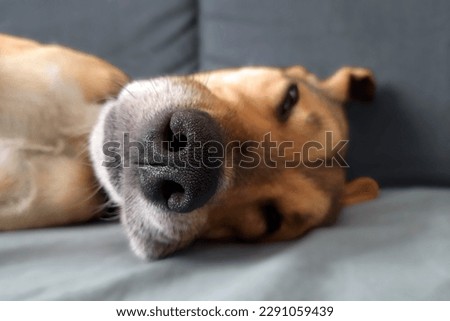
177,142
171,191
172,141
168,188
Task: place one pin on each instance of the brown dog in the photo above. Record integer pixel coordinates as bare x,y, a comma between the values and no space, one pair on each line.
253,154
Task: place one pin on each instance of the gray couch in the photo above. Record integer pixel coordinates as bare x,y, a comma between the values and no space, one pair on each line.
396,247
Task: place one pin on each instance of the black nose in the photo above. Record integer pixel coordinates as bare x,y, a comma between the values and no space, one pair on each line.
182,166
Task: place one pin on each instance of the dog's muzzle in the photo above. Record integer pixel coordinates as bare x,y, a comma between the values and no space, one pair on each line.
181,170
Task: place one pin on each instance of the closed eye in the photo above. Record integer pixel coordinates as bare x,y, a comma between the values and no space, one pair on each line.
289,101
272,216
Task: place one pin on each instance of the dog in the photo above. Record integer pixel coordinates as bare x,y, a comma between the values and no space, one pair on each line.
247,154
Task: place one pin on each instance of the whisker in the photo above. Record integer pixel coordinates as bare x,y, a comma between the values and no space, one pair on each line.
153,87
124,87
208,76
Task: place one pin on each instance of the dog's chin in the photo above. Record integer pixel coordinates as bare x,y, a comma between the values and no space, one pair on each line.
149,245
154,232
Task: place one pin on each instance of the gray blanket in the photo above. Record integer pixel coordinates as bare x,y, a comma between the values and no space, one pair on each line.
394,248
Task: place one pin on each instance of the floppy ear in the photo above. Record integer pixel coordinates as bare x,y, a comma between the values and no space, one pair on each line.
359,190
350,83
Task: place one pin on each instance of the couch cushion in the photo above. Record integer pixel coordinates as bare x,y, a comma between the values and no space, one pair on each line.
143,38
404,136
394,248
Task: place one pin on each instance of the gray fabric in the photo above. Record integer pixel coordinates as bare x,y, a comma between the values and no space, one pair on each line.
404,137
394,248
144,38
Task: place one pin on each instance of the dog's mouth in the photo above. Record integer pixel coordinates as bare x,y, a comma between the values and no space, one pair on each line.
155,152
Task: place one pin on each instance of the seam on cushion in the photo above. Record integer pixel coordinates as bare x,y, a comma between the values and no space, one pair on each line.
198,62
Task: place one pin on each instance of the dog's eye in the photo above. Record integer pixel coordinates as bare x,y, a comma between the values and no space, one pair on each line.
272,216
289,101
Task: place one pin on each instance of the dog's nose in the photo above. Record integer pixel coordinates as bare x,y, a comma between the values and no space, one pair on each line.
182,166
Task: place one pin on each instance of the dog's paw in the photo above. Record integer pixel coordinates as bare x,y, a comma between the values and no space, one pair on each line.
16,188
97,79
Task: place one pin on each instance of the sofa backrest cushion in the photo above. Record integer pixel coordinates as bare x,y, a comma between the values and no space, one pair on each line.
144,38
404,137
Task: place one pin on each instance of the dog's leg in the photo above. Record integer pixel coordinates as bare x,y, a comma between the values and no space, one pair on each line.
43,190
10,45
50,99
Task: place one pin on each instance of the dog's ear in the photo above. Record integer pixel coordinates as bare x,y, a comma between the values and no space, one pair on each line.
359,190
349,83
